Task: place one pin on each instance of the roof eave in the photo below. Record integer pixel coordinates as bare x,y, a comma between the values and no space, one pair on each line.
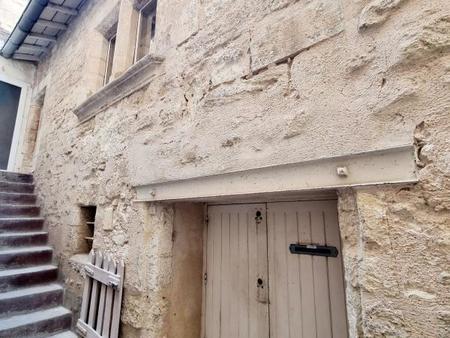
23,27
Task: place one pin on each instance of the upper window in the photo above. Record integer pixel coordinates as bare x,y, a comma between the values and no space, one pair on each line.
146,30
110,59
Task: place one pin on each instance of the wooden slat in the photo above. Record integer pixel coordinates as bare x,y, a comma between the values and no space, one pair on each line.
279,274
102,300
109,304
321,290
51,24
294,286
63,9
205,279
86,292
210,277
101,275
225,297
93,307
306,277
235,262
243,289
117,302
86,330
336,276
262,271
217,275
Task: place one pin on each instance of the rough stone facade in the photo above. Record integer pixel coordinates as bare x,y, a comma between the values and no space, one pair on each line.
246,84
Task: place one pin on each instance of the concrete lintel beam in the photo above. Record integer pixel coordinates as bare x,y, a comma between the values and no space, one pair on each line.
396,165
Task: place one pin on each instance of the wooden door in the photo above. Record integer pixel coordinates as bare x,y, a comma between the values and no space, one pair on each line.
306,292
236,258
256,288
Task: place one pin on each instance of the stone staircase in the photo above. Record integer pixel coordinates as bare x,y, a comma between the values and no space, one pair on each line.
30,298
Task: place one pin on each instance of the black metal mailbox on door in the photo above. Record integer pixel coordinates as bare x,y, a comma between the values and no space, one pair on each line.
313,250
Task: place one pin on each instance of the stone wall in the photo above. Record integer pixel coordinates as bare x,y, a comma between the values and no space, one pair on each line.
254,83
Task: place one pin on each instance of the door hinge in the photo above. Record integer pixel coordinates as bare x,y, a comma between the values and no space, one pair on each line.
205,278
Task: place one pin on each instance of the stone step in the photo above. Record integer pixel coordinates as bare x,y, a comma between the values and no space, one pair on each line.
25,256
37,298
65,334
8,224
36,324
18,239
15,177
17,210
26,188
15,278
17,198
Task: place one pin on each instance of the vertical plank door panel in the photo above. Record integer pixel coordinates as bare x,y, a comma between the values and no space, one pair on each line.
336,274
306,292
93,307
234,262
278,272
87,292
321,290
226,296
117,305
101,304
106,330
309,328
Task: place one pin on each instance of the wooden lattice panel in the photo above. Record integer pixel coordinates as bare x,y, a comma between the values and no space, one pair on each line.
102,297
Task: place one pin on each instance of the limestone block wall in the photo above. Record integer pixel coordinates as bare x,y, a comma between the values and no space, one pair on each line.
254,83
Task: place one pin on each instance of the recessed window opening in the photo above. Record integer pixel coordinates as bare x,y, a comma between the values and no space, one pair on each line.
88,223
146,30
110,59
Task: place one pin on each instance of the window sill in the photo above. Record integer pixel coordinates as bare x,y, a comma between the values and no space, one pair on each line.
136,77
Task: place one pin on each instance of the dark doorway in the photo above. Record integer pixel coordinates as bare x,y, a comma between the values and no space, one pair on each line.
9,102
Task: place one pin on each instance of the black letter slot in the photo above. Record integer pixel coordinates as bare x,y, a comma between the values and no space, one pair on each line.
313,250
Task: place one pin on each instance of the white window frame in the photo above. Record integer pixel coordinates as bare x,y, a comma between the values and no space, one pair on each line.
138,30
106,78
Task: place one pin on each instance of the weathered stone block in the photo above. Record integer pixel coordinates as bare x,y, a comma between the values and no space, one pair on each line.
429,41
296,27
231,62
377,11
177,21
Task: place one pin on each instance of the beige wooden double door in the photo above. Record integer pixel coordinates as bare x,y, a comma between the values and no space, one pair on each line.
256,288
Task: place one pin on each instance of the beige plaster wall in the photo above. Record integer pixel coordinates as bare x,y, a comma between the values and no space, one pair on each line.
253,83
